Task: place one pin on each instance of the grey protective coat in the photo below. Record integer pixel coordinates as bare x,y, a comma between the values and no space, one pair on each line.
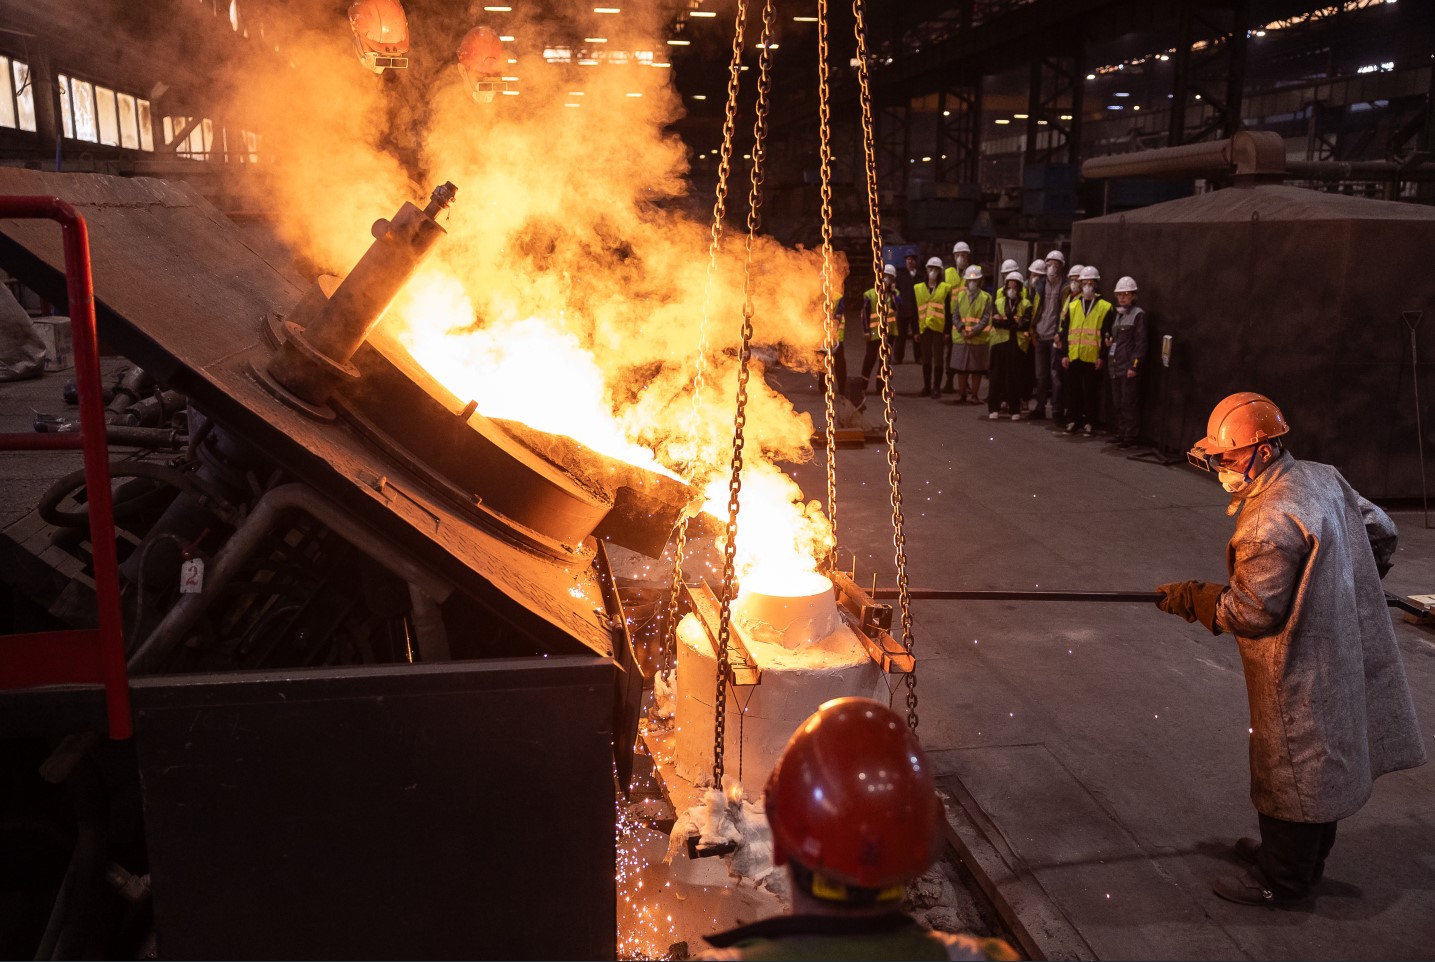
1330,707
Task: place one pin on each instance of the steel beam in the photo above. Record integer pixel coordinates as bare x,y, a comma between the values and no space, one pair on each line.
894,145
1055,91
957,150
1211,78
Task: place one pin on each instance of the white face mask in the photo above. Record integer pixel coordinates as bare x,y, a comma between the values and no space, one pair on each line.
1088,288
960,260
973,286
933,275
1053,271
1232,481
1013,291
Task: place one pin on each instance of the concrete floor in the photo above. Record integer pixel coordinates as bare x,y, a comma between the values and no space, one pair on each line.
1096,753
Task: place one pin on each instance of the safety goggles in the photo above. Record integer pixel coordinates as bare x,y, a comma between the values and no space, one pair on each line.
1221,461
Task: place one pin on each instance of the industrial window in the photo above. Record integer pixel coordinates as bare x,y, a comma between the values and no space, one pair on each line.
17,95
196,144
102,115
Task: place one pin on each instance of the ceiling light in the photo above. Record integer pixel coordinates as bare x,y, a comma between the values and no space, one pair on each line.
804,19
1020,116
587,63
575,93
703,13
510,93
1121,93
512,60
679,43
1136,107
1091,76
1003,121
946,113
666,65
506,39
926,160
510,79
1260,33
1066,116
607,10
499,9
700,96
572,105
635,95
595,39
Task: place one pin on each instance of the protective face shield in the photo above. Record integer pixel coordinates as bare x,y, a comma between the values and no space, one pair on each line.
381,34
480,63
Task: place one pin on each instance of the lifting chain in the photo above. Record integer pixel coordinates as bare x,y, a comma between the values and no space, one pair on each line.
729,560
831,341
715,232
894,474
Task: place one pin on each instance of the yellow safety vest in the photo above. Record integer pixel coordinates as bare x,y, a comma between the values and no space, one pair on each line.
931,306
872,332
1023,309
968,306
1084,330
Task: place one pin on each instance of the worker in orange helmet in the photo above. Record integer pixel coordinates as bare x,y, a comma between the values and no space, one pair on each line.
1330,707
855,816
480,62
381,34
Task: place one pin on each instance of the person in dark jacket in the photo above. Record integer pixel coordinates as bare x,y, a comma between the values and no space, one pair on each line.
1331,710
1125,353
910,276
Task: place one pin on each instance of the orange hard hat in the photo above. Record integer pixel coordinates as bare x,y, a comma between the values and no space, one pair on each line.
381,33
1239,421
480,62
853,802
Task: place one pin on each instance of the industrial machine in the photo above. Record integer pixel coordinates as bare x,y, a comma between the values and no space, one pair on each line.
384,697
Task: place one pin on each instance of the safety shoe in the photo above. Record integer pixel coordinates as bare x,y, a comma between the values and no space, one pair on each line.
1088,430
995,415
1071,428
1018,416
1247,889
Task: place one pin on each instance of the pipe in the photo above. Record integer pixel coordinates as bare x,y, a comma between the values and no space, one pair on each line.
236,552
1250,153
186,482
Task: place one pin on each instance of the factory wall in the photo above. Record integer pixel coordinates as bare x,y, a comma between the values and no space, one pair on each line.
1296,294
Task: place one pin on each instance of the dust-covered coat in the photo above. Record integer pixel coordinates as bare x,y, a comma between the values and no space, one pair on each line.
1330,707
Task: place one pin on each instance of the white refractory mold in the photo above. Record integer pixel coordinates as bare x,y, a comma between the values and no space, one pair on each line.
826,661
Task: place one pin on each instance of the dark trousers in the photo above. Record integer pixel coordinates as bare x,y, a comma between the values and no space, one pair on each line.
1082,384
869,361
907,331
1007,382
1292,855
1057,373
933,363
1125,405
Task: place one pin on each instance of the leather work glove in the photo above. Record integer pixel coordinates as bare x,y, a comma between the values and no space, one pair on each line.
1192,600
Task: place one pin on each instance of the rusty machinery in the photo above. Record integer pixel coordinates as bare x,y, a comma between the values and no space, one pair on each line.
387,712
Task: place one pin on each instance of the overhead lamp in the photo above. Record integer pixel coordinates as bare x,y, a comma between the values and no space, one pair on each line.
634,94
700,96
1020,116
498,9
1091,76
607,10
1003,121
572,105
1121,93
946,113
1136,107
664,65
510,93
680,43
1066,116
707,14
804,19
587,63
510,79
506,39
926,160
575,93
595,39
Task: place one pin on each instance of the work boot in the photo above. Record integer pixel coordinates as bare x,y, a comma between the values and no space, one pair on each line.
1248,888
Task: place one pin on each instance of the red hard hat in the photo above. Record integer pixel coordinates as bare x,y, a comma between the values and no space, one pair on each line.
381,33
852,799
481,58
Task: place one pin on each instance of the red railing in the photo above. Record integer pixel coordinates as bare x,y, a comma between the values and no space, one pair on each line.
90,655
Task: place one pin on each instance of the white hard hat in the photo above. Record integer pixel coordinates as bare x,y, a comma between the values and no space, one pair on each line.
1075,271
890,270
934,262
1016,276
1056,256
1090,274
1008,266
974,273
1038,266
961,248
1126,284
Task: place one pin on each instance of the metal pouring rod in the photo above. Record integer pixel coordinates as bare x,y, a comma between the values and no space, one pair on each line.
1119,597
994,594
